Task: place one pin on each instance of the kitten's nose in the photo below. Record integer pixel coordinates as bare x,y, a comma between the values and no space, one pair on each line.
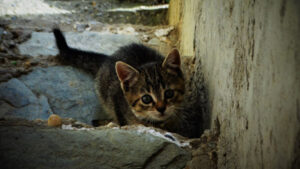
161,110
160,107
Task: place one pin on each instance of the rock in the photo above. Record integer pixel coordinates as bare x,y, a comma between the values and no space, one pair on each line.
81,27
17,100
43,43
128,30
70,91
1,33
154,41
65,91
163,32
145,38
29,146
54,121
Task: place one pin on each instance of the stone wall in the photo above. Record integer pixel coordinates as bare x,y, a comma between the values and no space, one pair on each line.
249,54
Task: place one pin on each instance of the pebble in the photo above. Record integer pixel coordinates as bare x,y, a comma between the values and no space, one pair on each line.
163,32
54,121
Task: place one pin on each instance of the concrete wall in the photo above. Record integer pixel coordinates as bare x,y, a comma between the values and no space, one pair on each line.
249,53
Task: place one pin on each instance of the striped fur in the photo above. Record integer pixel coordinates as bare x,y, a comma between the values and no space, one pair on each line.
132,72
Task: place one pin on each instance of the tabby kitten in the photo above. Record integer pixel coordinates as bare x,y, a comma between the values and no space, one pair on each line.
135,84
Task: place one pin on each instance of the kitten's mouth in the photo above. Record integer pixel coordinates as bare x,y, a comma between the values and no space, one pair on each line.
160,118
155,120
153,116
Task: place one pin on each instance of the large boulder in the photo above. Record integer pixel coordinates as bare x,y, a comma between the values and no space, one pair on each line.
29,146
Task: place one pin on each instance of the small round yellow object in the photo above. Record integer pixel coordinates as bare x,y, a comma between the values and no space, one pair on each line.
54,121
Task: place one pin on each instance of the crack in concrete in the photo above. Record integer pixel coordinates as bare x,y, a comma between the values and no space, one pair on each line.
154,155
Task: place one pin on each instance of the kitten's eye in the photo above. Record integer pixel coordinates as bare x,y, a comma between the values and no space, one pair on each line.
169,93
147,99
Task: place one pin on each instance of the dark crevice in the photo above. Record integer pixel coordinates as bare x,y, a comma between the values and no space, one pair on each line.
154,155
173,161
11,104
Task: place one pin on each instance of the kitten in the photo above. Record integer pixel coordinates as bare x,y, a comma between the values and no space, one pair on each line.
136,84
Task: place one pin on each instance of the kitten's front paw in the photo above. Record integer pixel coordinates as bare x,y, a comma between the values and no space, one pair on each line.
112,124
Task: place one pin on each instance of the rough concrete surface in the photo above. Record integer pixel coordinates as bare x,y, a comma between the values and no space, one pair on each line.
28,145
249,54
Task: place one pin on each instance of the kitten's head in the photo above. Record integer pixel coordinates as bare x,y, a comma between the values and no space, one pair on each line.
154,90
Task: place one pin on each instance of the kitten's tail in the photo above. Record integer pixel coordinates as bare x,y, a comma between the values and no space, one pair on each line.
88,61
60,40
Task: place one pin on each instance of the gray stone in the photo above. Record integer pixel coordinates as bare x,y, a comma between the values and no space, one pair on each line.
16,100
70,92
42,147
1,33
154,41
65,91
43,43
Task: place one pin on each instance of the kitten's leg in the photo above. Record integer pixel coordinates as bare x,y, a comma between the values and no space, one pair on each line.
120,117
119,110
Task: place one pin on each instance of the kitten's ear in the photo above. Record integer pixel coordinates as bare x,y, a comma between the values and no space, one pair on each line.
172,61
126,73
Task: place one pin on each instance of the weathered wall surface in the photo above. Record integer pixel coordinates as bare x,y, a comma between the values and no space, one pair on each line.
249,54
